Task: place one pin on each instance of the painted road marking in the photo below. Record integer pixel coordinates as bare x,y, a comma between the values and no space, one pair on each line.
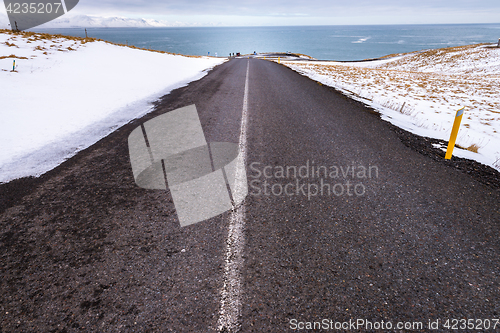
230,303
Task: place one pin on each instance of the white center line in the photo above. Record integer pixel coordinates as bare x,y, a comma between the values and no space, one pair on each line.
230,304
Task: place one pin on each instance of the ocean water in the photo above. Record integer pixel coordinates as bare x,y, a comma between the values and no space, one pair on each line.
320,42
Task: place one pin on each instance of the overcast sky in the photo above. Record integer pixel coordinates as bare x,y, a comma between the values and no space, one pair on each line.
298,12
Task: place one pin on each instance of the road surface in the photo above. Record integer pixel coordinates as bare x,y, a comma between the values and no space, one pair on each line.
386,234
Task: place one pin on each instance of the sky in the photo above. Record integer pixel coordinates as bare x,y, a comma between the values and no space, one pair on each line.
296,12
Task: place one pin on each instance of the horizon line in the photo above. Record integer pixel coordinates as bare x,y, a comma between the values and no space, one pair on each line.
275,26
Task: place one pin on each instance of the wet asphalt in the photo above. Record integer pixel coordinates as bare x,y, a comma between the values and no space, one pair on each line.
343,222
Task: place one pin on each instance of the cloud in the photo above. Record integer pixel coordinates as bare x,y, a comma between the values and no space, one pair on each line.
271,7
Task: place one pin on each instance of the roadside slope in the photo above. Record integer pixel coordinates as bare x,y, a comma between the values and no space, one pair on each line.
421,91
67,93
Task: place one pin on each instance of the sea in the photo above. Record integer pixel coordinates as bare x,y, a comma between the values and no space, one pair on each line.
343,43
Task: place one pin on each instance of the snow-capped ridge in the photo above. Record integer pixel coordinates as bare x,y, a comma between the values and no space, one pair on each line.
80,21
90,21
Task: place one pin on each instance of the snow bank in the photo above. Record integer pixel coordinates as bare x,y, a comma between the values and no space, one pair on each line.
421,92
66,94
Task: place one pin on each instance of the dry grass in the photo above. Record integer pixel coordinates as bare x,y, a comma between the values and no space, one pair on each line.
304,55
393,55
12,56
448,57
473,148
34,36
440,77
497,163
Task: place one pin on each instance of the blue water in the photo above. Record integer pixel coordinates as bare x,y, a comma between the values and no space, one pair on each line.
321,42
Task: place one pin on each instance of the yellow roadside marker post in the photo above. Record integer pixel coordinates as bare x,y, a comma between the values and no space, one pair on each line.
278,60
454,132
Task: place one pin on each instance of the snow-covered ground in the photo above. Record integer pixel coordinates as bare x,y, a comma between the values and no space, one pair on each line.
66,94
422,91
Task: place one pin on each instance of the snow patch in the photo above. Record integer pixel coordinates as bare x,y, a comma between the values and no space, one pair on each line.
421,92
66,95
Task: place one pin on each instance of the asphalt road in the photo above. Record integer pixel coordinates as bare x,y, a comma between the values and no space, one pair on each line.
405,238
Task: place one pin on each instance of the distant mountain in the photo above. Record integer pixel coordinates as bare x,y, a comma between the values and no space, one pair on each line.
80,21
87,21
